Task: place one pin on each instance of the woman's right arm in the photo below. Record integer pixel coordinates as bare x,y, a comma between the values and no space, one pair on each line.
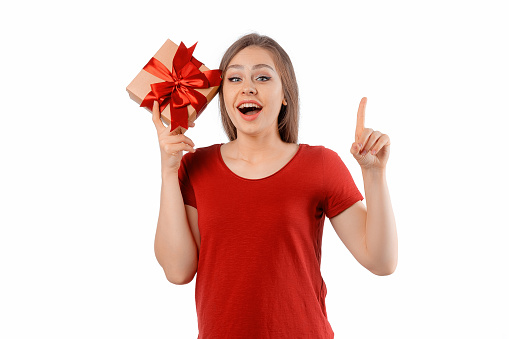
174,245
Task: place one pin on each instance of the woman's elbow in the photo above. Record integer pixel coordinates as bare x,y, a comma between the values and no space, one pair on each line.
384,273
180,280
386,270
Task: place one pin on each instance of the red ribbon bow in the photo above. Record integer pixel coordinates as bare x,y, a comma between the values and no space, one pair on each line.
178,89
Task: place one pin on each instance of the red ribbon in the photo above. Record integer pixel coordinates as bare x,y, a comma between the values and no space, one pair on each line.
178,89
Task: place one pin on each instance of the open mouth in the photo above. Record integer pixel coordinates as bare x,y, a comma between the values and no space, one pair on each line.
249,108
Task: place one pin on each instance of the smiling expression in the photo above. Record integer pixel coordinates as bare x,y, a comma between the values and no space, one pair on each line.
252,91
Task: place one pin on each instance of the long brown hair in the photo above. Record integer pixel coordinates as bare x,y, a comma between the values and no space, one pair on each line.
288,119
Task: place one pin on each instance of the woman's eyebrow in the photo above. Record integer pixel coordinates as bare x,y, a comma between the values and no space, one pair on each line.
253,68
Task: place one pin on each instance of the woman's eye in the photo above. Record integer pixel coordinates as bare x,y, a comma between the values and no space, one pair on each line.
234,79
263,78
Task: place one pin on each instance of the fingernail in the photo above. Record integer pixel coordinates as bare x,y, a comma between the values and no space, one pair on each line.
364,152
373,151
360,145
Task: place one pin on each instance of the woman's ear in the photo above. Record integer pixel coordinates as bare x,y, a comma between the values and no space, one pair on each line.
284,102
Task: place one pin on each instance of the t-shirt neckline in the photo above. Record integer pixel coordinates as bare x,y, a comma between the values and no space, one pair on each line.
223,163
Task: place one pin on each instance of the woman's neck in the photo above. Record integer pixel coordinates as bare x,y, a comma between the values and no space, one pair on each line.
256,149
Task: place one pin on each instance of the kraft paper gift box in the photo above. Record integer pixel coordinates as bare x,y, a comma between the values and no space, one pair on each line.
182,85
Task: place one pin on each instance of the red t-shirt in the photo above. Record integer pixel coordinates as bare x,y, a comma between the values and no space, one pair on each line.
259,262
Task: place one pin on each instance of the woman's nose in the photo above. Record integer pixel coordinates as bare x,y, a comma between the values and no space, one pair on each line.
249,87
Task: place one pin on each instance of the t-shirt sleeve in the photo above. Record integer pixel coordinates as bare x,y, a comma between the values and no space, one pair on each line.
186,188
339,186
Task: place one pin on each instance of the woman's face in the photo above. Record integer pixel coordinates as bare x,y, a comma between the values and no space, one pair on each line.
253,92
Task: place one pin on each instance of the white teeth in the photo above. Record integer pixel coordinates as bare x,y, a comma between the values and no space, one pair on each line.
249,104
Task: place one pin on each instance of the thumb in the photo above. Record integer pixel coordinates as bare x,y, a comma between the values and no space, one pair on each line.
355,149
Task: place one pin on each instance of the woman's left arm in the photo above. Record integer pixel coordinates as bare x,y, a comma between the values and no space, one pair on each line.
370,233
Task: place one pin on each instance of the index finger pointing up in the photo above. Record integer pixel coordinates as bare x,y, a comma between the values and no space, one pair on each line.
361,115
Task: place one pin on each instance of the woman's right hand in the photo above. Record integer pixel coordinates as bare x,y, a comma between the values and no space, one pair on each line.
171,144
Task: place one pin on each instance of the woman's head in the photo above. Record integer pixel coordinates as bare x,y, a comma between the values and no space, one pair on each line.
288,106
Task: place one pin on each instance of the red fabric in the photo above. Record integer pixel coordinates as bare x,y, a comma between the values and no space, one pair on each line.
259,262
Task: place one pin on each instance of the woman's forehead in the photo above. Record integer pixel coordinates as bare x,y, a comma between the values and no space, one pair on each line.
252,57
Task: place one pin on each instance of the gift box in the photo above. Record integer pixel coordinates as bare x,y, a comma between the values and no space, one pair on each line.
182,85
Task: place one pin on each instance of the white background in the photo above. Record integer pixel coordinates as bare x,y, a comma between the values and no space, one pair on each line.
80,163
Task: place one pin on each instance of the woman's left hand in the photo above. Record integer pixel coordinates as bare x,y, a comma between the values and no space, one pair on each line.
374,150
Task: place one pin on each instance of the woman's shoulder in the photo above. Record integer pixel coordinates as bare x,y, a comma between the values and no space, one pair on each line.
207,149
201,154
318,151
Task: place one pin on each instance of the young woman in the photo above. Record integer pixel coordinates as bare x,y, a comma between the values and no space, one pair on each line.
247,216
